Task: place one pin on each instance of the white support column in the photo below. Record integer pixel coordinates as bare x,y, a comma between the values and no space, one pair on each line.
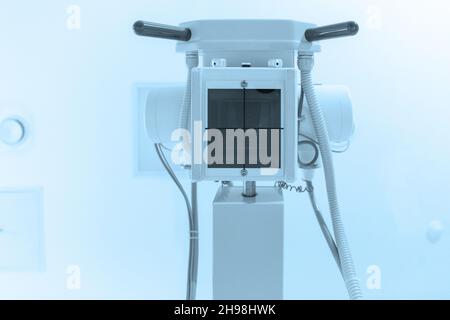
248,236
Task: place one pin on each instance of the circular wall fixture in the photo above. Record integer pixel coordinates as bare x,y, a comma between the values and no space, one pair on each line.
435,230
12,131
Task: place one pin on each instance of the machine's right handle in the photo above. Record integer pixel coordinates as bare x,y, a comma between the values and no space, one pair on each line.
343,29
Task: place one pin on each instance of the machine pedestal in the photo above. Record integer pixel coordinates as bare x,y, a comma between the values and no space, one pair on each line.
248,236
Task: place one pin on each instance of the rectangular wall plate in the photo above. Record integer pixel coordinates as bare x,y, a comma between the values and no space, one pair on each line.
22,230
146,162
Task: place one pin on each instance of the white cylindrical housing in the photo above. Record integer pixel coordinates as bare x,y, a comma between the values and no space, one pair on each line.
163,106
338,112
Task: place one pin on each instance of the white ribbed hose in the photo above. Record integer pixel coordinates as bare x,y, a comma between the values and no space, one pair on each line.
185,114
305,64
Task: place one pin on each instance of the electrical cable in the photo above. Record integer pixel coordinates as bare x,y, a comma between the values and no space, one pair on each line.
193,244
193,225
290,187
323,225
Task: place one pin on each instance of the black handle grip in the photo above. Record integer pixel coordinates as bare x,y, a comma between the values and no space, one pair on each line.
157,30
343,29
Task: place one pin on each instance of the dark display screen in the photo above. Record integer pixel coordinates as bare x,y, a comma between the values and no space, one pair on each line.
244,128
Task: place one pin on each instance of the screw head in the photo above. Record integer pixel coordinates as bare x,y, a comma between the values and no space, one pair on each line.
244,172
244,84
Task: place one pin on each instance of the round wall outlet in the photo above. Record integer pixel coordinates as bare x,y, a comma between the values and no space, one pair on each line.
12,131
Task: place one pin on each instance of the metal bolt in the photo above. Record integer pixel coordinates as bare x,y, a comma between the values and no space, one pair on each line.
243,172
244,84
249,189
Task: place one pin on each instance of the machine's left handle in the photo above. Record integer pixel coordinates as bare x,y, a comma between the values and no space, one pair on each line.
157,30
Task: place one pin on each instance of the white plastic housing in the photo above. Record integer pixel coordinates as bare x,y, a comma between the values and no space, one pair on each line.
244,34
163,107
337,108
285,79
252,40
